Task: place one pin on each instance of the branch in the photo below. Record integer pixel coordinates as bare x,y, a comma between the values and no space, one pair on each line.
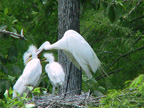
103,76
124,55
14,34
137,18
135,7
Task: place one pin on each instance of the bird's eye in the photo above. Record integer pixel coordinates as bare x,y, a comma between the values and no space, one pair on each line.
30,56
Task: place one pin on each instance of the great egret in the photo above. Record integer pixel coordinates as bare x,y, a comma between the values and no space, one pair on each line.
30,75
55,71
77,50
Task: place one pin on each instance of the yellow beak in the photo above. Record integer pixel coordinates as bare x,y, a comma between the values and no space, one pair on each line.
28,60
44,59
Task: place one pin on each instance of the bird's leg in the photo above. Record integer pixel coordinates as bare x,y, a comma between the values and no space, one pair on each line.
53,90
31,92
62,95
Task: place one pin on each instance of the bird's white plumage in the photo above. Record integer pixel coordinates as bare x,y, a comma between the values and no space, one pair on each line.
19,87
77,50
31,73
55,71
26,57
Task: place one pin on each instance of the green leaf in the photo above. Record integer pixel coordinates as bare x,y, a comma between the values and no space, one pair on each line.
12,53
30,88
4,69
36,90
15,70
6,11
104,5
112,14
137,81
4,84
119,11
6,94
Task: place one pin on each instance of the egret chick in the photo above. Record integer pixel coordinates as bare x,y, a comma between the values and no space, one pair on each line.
77,50
55,71
19,87
31,73
26,57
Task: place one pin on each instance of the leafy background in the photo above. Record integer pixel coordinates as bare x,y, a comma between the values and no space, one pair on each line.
114,29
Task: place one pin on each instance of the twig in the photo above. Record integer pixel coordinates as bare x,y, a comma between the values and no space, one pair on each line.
103,76
124,55
134,7
137,18
14,34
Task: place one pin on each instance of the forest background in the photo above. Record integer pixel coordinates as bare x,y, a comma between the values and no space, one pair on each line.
114,29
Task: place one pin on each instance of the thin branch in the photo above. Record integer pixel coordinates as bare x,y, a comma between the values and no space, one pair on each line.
135,19
124,55
135,7
103,76
13,34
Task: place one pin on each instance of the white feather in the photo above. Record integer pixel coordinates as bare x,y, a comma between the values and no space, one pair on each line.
77,50
55,71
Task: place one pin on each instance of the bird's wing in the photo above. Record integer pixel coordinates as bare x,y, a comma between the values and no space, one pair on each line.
72,59
83,53
19,87
32,72
18,82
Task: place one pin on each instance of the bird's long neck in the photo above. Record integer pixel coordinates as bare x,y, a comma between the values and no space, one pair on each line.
60,44
34,55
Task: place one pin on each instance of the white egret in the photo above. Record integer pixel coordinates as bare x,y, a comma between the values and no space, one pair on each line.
55,71
19,87
77,50
30,75
26,57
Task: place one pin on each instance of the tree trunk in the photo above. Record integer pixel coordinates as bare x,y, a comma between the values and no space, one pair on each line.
68,18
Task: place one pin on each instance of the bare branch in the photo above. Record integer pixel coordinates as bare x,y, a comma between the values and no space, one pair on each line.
124,55
135,7
14,34
138,18
103,76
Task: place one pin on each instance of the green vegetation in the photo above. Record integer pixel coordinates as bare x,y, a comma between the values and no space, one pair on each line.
114,29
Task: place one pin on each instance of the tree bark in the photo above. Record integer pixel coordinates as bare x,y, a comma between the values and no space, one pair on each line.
68,18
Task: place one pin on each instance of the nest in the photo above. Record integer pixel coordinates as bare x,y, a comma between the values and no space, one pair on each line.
75,101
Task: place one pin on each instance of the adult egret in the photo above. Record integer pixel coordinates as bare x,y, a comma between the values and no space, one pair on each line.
77,50
55,71
30,75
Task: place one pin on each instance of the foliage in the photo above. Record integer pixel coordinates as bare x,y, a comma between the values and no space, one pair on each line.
119,45
22,101
114,29
36,18
132,96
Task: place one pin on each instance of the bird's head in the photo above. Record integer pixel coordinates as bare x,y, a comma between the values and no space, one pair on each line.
49,57
26,57
29,54
44,46
32,49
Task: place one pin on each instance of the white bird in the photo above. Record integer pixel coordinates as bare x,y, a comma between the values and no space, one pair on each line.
31,73
19,87
55,71
77,50
26,57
